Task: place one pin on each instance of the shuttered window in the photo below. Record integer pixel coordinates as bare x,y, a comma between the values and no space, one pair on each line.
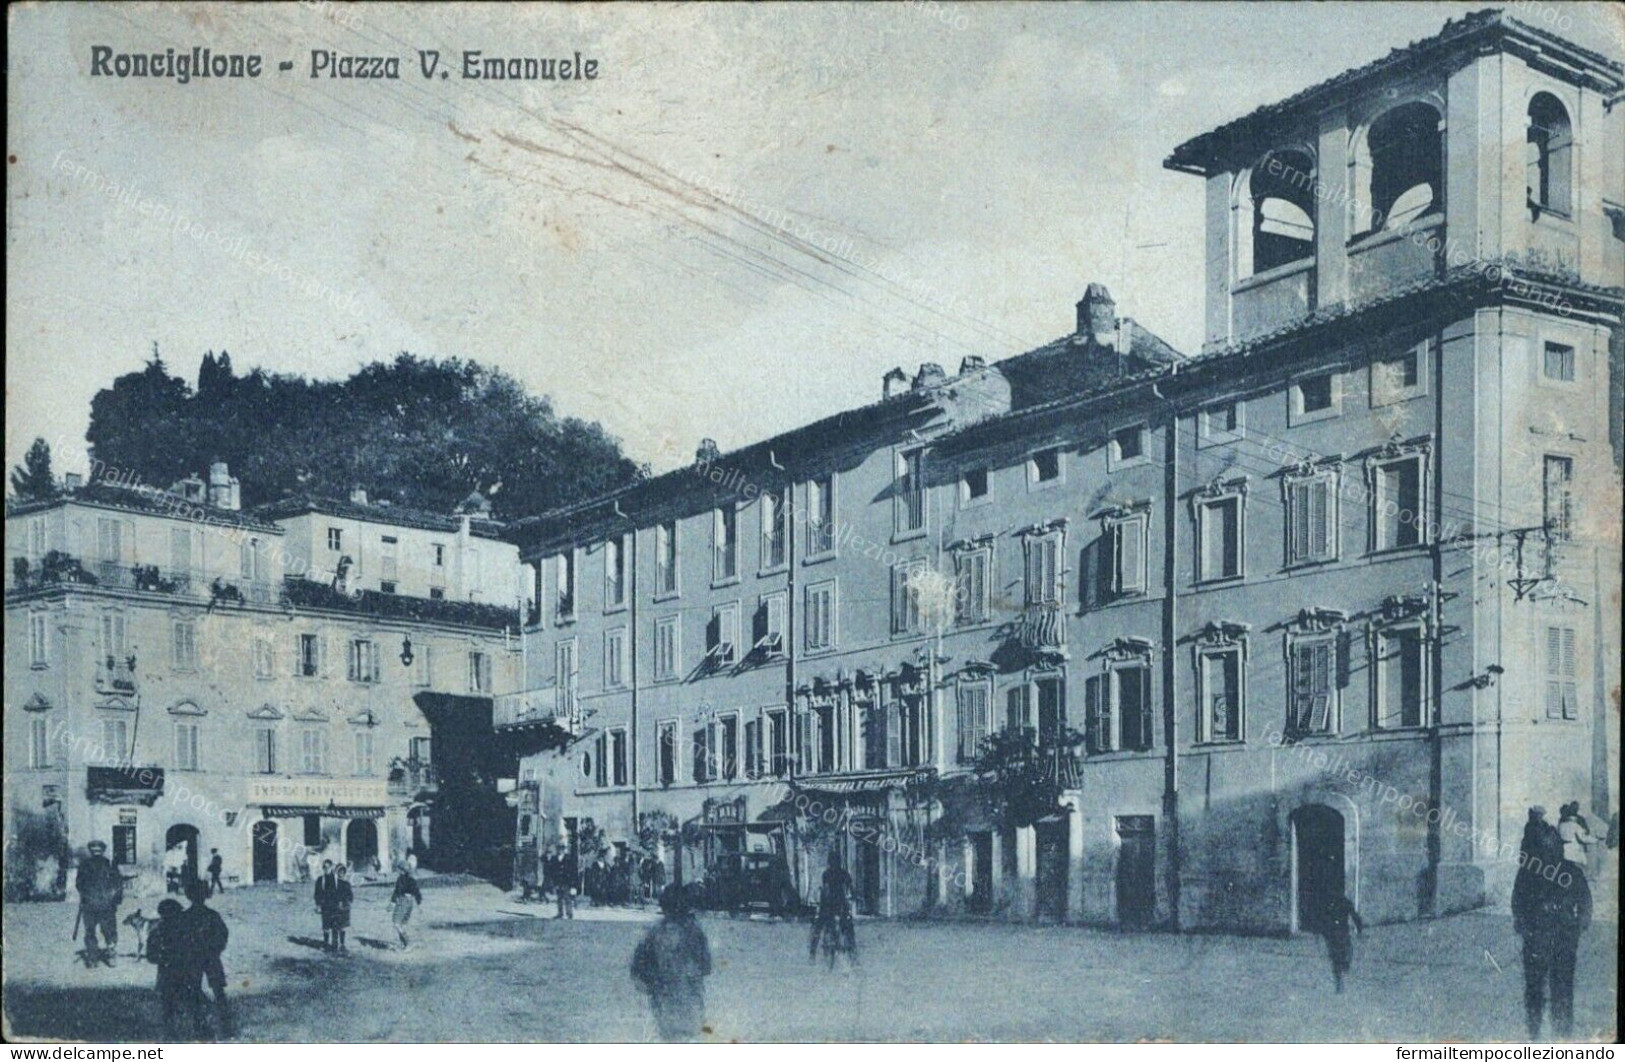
1313,668
973,721
1562,673
1310,512
972,602
1043,575
1128,554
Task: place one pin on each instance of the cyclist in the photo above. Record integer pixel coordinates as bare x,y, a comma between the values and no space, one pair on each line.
834,911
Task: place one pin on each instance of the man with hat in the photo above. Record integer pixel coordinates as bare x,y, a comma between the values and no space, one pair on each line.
670,967
101,890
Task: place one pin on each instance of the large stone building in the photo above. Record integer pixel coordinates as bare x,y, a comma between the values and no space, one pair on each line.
180,672
1332,601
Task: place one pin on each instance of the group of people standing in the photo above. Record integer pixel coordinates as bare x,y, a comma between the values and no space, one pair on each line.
605,881
1551,909
335,895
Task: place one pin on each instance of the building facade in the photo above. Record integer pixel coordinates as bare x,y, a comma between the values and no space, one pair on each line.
1322,608
169,684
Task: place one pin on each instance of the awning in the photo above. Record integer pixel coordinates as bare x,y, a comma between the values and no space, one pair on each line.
298,811
127,784
866,782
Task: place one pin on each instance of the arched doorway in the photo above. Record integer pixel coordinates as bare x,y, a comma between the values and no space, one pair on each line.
1317,862
183,836
265,850
361,844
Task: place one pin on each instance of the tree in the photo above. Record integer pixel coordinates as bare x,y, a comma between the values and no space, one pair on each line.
32,480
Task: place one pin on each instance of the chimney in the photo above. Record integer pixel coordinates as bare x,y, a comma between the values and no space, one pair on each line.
708,453
223,487
892,382
1097,316
72,481
930,375
971,363
358,495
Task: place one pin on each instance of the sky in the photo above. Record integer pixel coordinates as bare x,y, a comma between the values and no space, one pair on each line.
749,215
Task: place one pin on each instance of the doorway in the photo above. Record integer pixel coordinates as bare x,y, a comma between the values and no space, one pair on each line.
265,850
1136,870
866,869
1053,849
361,844
1317,860
981,872
184,835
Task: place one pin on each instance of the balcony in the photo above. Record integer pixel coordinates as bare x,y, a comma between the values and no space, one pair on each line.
116,675
413,779
54,569
307,593
1042,627
535,707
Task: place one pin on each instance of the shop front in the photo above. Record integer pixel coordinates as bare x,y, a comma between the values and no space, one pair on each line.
297,824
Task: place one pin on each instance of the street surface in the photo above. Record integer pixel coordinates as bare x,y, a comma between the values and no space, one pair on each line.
484,967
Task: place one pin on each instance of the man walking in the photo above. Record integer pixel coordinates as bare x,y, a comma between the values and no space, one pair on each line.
205,934
327,904
568,877
670,967
1551,908
101,890
216,865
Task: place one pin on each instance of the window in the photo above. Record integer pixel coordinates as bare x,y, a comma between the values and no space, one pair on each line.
184,645
704,753
729,738
265,758
1128,541
363,752
180,553
1219,423
386,586
438,553
1397,516
479,671
907,581
115,741
753,748
423,666
908,493
1558,363
1398,168
110,541
820,616
614,573
1312,667
1219,538
1562,674
615,658
418,750
775,528
821,516
600,761
1550,145
1018,711
389,550
565,675
778,743
252,562
264,665
1278,202
1128,445
363,660
39,743
1220,695
312,750
875,734
666,558
1557,496
1117,709
617,757
437,593
1399,378
1043,569
114,646
767,634
1044,467
667,649
313,831
564,607
39,642
335,539
974,720
973,486
1311,517
725,543
666,754
310,656
722,635
1315,398
1400,676
973,593
37,539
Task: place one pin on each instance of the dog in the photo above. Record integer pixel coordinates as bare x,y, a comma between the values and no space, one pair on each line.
142,924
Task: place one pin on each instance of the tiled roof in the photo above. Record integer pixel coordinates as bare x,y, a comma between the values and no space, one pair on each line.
397,515
1205,153
142,499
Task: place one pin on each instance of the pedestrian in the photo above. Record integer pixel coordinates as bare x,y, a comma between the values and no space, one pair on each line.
404,900
593,884
670,966
1576,834
327,890
834,911
101,890
343,899
1334,926
174,859
167,949
216,865
568,879
205,936
550,872
1551,908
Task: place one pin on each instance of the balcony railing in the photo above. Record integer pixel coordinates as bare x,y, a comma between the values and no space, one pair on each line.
548,704
410,779
1042,626
116,675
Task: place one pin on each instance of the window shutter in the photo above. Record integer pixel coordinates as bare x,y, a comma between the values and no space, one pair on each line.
1130,542
1300,520
1302,686
1320,531
899,600
1344,649
298,646
1034,574
1094,712
894,735
1145,741
1554,699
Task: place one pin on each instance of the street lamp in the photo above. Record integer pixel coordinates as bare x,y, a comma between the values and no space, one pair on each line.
406,651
